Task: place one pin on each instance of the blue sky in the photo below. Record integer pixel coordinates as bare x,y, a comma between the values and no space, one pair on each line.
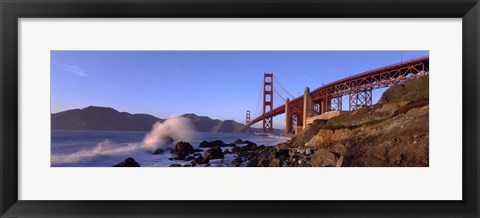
218,84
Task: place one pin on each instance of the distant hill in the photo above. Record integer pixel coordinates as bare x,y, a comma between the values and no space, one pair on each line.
105,118
206,124
202,123
102,118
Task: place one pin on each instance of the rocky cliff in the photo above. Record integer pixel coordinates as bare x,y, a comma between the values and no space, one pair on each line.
394,132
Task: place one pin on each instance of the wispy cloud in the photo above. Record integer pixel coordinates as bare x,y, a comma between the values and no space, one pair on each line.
75,69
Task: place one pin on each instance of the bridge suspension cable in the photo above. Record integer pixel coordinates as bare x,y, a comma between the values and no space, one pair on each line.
279,95
259,99
276,80
284,99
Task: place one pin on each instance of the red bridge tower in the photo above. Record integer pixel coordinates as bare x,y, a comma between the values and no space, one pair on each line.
267,102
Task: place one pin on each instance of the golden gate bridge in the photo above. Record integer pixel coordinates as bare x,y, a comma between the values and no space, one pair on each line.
327,98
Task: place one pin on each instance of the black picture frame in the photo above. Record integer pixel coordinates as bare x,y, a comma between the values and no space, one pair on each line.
12,10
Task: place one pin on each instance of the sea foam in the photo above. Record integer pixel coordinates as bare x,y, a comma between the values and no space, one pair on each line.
163,135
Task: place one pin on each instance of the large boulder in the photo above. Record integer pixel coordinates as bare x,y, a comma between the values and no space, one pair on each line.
199,160
323,158
216,143
275,163
128,162
282,149
181,150
250,147
237,161
213,153
239,141
204,144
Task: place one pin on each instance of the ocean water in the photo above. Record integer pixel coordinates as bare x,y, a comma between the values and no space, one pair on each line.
84,148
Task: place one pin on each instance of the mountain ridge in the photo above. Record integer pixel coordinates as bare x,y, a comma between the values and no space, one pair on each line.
107,118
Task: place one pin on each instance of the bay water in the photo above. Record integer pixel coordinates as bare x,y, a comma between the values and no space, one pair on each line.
88,148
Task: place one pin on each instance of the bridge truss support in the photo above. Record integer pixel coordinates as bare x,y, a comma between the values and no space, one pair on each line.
293,117
317,108
307,106
325,106
360,97
267,102
287,119
336,103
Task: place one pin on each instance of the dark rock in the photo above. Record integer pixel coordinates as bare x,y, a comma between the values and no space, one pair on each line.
214,153
237,149
215,143
187,165
189,158
128,162
158,151
250,146
281,147
218,143
204,144
237,161
227,151
266,157
181,150
198,150
239,141
177,156
282,153
199,160
292,153
243,149
184,148
207,165
175,165
275,163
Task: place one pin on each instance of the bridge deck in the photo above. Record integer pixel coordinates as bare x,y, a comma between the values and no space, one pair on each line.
373,79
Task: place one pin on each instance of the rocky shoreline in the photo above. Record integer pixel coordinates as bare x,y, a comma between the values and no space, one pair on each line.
245,154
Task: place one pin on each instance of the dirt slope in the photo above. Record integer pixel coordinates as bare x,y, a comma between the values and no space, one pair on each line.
394,132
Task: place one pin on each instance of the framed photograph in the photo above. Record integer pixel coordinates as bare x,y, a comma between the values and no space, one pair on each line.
226,108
